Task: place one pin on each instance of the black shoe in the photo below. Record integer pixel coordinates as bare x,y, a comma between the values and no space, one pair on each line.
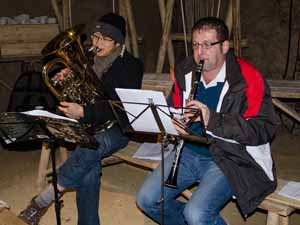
33,213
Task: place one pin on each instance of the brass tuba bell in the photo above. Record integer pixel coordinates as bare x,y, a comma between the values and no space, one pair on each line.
66,51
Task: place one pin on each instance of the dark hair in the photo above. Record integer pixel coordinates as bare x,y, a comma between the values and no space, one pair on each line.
213,23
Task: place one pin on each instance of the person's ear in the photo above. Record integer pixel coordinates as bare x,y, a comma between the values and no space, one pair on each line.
117,44
225,46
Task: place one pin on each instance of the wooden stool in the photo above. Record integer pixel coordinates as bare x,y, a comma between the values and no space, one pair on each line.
43,168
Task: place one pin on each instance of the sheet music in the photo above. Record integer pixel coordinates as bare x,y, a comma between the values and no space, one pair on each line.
291,190
152,151
45,113
139,101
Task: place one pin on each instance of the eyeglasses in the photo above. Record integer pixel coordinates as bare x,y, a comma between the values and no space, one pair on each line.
205,45
100,37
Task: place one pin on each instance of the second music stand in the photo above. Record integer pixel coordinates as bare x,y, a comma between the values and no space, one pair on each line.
160,117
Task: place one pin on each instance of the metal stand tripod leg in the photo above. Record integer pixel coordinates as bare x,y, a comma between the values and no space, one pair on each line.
162,193
57,202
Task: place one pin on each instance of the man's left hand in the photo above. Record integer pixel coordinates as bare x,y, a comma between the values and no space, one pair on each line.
71,110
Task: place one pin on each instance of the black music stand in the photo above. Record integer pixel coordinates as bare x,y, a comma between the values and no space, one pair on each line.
163,136
55,132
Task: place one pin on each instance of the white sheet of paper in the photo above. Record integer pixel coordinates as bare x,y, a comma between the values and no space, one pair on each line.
151,151
188,85
291,190
47,114
146,122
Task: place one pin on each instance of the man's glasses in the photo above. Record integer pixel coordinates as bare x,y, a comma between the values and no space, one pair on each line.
100,37
205,45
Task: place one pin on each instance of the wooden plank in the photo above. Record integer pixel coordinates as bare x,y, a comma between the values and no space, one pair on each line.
277,208
21,49
285,88
27,33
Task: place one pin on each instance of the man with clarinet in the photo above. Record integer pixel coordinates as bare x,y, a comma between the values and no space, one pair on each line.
236,115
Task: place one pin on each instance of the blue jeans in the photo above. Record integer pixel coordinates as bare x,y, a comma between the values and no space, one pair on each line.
206,202
82,170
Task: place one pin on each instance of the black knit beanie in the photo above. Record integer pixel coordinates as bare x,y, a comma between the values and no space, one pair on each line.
112,25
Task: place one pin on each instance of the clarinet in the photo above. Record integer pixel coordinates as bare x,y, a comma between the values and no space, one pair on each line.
172,178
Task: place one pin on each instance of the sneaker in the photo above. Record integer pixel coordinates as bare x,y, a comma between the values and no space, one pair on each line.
33,213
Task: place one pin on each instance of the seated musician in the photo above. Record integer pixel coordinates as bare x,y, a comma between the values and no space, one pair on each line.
239,119
116,68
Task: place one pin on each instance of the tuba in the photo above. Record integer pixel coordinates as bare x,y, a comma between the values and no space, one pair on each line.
82,85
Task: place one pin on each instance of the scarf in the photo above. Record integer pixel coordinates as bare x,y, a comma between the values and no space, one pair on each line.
103,63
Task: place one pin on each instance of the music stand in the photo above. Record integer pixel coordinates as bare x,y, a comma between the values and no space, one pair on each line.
161,117
55,132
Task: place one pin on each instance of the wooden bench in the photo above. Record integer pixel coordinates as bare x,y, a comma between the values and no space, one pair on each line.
278,208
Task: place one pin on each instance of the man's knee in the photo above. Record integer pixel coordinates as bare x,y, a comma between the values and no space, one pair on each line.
144,200
194,215
141,200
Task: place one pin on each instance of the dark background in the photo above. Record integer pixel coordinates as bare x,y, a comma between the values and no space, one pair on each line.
264,23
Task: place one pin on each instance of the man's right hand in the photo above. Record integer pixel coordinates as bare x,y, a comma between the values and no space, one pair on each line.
178,127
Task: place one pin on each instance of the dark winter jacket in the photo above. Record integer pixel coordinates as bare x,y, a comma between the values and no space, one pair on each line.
241,128
125,72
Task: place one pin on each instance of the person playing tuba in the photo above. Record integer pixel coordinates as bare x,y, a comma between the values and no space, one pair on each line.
115,68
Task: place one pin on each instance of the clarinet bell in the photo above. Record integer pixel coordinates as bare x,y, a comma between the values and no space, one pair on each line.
172,179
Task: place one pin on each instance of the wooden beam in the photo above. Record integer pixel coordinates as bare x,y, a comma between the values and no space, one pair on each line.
132,27
287,109
26,49
165,35
123,12
162,11
57,14
3,84
228,18
66,13
236,29
70,13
